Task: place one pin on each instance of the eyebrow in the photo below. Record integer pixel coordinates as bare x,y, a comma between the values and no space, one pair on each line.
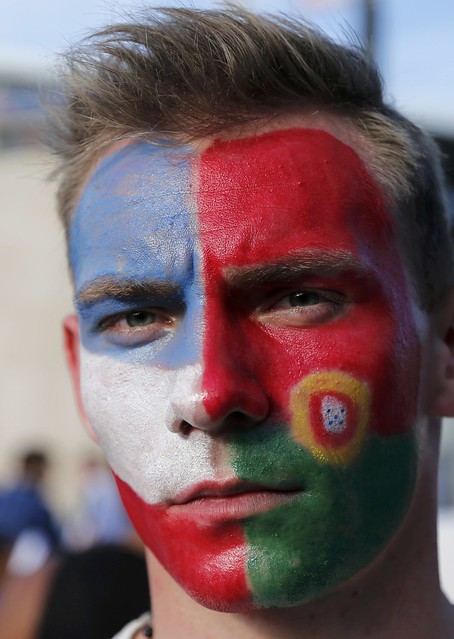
109,287
306,261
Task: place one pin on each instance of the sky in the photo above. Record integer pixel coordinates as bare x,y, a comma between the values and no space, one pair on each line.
415,40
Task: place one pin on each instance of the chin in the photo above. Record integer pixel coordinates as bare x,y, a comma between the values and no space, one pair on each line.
218,604
293,554
237,603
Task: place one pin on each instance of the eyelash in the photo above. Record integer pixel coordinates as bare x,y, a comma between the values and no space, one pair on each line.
322,294
326,306
109,322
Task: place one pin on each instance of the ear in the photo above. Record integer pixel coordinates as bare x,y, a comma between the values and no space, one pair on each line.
443,404
71,336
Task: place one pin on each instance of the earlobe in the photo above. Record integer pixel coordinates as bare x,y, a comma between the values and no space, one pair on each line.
71,337
443,405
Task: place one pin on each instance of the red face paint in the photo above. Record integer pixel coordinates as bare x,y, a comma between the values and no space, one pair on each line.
265,198
198,557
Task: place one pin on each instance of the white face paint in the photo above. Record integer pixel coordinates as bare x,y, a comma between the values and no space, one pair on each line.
334,414
135,411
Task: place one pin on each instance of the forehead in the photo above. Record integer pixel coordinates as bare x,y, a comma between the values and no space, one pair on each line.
296,188
241,199
127,208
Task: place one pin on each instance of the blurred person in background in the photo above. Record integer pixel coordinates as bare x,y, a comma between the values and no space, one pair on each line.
94,592
50,591
29,532
29,542
76,594
99,516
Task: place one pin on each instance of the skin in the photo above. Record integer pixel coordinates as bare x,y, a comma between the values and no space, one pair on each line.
237,358
23,600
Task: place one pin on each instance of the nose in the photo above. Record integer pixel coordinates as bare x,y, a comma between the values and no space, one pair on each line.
232,397
217,398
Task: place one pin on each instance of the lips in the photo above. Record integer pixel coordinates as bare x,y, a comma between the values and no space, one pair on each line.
214,502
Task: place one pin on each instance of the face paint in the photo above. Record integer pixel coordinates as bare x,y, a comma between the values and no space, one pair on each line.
131,232
134,228
287,341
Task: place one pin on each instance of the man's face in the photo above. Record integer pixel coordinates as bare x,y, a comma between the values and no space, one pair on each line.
249,360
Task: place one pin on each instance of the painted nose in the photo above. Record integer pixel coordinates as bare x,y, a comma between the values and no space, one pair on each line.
232,398
216,400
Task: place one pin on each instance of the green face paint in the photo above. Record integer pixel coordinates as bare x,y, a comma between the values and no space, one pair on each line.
340,522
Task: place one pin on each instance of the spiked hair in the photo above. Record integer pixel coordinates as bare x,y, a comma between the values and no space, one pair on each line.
186,73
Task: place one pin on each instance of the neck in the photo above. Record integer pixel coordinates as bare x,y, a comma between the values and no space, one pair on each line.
397,596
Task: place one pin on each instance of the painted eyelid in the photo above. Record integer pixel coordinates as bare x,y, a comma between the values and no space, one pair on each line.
130,337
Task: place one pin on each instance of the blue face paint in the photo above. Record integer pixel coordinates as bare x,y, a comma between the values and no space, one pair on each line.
136,223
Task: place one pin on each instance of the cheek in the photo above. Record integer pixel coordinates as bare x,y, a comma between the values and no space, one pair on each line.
133,410
209,562
345,517
369,345
356,384
330,387
369,348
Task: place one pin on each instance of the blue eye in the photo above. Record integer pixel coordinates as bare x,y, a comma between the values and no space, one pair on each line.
140,318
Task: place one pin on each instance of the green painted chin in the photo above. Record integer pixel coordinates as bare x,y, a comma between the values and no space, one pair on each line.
340,523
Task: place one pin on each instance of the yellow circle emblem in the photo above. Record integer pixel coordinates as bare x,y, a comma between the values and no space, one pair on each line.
330,414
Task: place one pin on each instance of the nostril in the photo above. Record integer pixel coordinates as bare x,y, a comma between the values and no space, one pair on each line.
238,419
185,428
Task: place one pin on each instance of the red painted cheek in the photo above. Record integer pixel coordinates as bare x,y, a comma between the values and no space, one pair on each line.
365,345
264,198
255,362
209,562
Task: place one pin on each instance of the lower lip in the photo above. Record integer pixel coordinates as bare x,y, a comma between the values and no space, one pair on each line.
233,507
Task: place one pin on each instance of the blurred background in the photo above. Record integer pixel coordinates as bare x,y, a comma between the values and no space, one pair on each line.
413,43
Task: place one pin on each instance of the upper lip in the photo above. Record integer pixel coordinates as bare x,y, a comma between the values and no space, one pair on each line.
227,489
